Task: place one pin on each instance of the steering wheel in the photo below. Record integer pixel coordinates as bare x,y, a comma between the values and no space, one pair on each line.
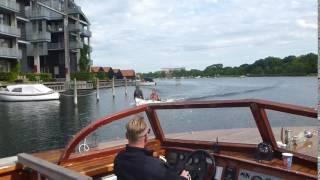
201,165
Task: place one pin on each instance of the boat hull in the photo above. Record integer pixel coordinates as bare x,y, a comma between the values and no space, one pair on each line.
146,83
11,97
148,101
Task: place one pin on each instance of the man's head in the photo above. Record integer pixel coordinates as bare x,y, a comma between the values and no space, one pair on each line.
137,87
137,131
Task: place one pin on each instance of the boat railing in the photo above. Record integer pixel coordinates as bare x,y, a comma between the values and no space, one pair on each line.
45,169
258,109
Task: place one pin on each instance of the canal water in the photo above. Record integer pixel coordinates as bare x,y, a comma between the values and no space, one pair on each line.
38,126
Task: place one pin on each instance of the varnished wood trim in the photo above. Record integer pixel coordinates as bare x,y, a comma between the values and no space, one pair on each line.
155,124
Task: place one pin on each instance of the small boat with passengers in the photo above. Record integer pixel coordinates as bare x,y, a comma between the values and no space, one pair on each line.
140,101
146,82
28,92
254,149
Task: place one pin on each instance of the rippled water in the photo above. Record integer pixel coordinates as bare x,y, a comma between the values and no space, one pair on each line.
36,126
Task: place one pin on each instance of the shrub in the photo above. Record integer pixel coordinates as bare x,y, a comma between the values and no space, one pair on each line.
82,76
46,77
101,75
8,76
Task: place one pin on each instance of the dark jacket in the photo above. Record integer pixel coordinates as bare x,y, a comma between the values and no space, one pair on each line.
138,94
134,164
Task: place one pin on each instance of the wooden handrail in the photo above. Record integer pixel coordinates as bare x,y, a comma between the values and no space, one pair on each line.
50,170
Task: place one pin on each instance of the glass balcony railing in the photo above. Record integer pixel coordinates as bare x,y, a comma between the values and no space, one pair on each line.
42,50
10,5
39,37
56,29
60,45
74,9
75,45
37,13
56,46
74,27
10,53
10,30
85,32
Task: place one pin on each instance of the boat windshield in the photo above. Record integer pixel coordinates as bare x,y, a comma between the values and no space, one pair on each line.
233,125
237,125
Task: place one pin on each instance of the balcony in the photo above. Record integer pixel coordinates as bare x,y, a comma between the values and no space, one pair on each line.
39,37
74,27
10,30
56,29
10,5
74,10
60,45
75,45
42,50
56,46
86,33
11,53
37,14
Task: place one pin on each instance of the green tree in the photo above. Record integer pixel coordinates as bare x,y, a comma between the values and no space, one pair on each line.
84,58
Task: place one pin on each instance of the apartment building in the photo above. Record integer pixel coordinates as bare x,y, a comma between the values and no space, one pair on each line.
43,35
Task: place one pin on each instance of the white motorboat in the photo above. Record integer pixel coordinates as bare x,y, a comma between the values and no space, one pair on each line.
149,101
28,92
146,82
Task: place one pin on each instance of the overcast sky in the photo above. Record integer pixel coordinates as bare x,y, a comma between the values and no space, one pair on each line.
147,35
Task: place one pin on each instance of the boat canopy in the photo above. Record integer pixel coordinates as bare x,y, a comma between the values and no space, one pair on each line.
29,88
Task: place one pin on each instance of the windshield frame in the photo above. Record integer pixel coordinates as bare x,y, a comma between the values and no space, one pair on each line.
258,109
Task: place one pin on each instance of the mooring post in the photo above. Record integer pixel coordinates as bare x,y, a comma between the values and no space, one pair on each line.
125,86
98,93
113,89
75,92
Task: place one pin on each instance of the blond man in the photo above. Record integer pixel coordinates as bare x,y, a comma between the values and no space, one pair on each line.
135,163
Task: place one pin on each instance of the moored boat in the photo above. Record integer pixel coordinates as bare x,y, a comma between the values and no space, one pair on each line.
28,92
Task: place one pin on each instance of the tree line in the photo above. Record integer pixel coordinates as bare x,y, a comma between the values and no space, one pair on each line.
270,66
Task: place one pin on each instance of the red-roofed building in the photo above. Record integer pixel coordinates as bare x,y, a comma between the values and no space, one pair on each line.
96,69
117,73
129,74
108,71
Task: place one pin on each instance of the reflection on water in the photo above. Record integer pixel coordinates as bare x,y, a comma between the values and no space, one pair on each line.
36,126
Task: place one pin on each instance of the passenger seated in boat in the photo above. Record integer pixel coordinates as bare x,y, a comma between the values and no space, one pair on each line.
138,93
154,95
135,163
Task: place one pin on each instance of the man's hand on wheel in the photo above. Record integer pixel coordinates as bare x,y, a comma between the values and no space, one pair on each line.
185,174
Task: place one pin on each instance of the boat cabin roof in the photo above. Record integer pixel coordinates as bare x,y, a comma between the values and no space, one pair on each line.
29,88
